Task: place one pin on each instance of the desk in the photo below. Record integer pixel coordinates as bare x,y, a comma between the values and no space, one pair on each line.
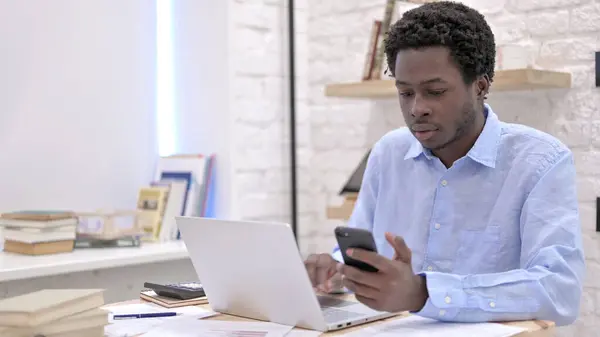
534,328
97,267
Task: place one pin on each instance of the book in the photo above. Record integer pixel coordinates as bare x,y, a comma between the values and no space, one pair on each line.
371,50
151,204
174,207
38,248
151,296
42,224
47,305
38,215
376,72
80,322
25,236
193,168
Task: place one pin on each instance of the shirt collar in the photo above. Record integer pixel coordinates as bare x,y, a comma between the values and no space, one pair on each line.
484,150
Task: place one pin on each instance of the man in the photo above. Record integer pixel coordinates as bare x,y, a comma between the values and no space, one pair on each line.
474,219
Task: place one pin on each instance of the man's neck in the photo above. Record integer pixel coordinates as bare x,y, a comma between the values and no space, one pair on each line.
460,147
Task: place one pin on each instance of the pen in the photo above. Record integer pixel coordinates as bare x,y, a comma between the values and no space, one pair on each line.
147,315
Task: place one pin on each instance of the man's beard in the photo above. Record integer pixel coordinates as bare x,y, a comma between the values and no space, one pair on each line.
461,127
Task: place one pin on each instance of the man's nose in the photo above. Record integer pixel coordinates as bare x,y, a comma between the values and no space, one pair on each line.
420,108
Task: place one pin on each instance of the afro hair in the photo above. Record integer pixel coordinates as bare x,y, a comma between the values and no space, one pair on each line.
461,29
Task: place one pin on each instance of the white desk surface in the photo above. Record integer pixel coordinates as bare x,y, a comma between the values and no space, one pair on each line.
17,266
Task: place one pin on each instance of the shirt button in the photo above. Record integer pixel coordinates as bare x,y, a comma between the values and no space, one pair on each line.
493,304
442,312
444,183
437,226
448,299
430,268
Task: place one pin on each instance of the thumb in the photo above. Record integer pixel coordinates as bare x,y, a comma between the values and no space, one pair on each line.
401,250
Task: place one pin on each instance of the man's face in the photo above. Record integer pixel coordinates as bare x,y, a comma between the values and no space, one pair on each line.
437,106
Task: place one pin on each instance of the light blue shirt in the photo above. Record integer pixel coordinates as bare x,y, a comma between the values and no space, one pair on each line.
497,234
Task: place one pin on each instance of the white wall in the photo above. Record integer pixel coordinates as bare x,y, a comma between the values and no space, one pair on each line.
201,84
77,91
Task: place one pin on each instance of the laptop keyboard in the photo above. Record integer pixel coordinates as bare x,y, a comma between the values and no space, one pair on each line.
328,301
330,307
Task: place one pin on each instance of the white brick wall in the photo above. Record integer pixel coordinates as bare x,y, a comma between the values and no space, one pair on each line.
564,36
260,106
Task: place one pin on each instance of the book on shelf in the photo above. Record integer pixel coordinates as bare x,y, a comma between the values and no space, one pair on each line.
371,50
190,177
174,207
54,312
39,248
39,232
379,61
151,206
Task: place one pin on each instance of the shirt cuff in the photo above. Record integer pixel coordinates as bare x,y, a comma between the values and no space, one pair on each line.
446,296
337,255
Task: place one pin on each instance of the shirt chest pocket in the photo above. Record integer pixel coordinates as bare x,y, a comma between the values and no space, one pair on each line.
478,251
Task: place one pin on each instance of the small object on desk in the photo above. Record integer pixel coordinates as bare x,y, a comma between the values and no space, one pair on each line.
145,315
168,302
180,291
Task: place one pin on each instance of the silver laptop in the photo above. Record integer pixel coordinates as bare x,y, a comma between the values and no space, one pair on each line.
254,270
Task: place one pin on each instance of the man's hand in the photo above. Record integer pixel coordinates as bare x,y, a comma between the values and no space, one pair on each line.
322,271
394,288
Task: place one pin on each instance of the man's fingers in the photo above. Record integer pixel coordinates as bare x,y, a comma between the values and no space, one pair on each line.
335,284
361,289
324,267
358,276
311,268
401,250
372,258
369,302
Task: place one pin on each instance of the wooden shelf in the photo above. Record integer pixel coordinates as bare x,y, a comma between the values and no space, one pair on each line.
504,80
344,211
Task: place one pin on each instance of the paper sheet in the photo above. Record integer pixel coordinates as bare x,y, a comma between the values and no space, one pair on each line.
134,327
195,328
303,333
416,326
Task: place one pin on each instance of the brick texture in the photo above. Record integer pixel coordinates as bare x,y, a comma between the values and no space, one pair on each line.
260,107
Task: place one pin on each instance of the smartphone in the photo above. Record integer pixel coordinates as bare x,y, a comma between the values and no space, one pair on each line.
348,237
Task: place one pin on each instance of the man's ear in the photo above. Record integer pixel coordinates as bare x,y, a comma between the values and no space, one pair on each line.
483,86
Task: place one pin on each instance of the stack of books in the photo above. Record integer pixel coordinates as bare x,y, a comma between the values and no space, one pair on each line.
149,295
54,313
39,232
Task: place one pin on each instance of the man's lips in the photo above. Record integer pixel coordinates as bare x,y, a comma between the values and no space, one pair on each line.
423,127
424,135
424,131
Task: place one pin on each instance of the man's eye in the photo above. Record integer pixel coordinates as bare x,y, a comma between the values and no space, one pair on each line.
406,94
437,92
